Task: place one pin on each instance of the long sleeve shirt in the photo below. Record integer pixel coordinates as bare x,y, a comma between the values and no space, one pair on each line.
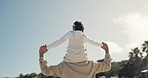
85,69
74,34
75,49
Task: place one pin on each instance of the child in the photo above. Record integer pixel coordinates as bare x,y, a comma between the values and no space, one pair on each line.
75,50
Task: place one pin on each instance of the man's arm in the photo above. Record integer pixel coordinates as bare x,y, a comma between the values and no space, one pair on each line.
106,64
55,70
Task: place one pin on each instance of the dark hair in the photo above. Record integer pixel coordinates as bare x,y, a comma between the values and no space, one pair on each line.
78,26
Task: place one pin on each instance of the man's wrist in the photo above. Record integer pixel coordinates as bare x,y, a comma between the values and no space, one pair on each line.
41,54
107,51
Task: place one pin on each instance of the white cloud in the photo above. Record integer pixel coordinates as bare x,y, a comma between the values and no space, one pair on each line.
145,5
135,26
114,47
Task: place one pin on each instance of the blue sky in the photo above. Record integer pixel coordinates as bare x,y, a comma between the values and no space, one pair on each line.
25,25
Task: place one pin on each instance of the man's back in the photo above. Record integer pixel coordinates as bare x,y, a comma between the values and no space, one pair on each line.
85,69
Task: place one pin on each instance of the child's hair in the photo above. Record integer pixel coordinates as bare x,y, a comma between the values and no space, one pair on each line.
78,26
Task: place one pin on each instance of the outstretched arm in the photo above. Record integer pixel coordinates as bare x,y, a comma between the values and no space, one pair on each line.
90,41
60,41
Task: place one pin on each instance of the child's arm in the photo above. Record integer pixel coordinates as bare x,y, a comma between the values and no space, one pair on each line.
60,41
90,41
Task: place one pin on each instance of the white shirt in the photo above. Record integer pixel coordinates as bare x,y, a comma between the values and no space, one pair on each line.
75,49
69,35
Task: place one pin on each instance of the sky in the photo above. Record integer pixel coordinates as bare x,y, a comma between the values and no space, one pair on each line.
25,25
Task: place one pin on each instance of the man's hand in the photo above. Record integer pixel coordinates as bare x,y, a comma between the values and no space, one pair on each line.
43,49
105,47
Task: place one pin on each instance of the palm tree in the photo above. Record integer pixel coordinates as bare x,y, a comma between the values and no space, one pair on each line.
134,61
134,55
136,51
145,49
131,57
131,54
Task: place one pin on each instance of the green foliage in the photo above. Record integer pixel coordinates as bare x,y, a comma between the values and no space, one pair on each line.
34,75
135,63
131,68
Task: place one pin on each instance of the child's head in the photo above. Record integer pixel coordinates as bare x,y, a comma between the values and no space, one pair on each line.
78,26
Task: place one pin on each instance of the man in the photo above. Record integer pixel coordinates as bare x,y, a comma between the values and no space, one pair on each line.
85,69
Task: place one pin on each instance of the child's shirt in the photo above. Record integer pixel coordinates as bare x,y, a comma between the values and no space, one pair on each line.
75,49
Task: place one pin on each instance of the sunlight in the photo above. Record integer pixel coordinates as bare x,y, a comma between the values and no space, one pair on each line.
135,27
